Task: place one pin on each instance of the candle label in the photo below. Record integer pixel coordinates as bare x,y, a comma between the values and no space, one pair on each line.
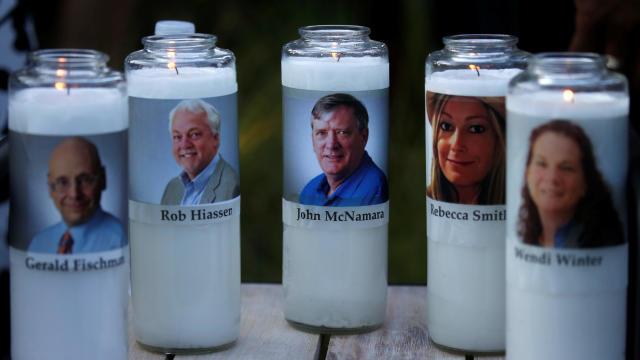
335,155
307,216
465,137
566,205
68,200
184,160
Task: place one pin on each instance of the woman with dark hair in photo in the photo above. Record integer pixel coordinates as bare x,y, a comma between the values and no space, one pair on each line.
566,202
468,164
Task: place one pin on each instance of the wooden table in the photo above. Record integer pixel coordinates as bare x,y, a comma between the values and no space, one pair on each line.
265,334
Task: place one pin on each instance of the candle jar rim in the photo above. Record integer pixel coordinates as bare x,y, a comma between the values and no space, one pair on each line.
68,58
73,67
480,41
334,32
183,42
568,64
568,59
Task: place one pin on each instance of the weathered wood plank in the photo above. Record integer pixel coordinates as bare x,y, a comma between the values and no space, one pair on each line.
403,336
264,333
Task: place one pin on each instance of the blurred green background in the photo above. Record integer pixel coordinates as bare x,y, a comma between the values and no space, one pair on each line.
256,31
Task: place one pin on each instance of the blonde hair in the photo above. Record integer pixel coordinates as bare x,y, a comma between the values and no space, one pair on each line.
493,185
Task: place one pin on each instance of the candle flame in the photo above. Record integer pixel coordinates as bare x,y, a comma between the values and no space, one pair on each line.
60,85
476,68
568,95
171,65
335,55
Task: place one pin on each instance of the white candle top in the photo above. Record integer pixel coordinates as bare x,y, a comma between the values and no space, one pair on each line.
330,74
49,111
187,83
552,104
467,82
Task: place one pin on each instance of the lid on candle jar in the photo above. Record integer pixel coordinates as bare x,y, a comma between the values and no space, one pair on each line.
168,27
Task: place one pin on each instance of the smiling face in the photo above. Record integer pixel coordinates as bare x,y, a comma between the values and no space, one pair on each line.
466,142
555,176
194,146
76,180
338,144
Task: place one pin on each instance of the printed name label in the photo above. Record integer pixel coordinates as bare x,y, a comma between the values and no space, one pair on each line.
443,211
184,215
566,271
554,258
194,214
75,263
295,214
473,225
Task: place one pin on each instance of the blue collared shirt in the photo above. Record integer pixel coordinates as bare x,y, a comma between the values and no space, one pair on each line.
193,189
366,186
102,233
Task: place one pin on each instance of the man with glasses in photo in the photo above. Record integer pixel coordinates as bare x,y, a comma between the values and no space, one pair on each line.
76,180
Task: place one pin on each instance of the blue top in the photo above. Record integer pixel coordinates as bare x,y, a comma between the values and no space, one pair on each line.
193,189
366,186
567,235
102,233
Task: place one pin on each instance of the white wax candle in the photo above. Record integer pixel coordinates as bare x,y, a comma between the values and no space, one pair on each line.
186,83
335,278
48,111
467,82
185,279
329,74
576,312
465,282
77,315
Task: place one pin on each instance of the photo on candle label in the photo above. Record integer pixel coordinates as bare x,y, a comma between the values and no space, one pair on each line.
335,147
184,152
466,158
69,193
566,203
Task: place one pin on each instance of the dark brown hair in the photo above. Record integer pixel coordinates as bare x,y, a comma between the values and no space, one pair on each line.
595,211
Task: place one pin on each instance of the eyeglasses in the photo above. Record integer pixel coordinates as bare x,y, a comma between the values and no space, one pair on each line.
83,181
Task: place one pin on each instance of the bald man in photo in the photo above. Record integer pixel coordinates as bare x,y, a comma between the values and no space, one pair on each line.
76,179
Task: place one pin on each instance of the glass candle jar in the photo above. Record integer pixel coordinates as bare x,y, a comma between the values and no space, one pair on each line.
466,83
68,239
567,250
184,194
335,83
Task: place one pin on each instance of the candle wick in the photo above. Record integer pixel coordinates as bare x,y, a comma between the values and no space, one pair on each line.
477,71
177,70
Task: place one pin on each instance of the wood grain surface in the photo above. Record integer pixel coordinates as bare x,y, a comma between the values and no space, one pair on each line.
264,333
404,334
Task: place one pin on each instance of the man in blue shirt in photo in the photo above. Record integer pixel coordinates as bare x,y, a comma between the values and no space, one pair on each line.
76,180
339,132
194,126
